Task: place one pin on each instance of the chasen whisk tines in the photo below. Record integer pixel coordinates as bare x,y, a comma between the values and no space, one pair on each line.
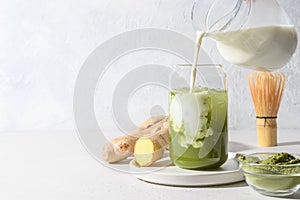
266,90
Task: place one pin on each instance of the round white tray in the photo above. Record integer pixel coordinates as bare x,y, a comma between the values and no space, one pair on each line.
164,173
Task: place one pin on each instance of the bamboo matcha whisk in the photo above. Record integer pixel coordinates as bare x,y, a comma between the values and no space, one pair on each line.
266,90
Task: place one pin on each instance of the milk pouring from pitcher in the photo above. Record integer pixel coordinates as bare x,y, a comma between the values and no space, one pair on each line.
254,34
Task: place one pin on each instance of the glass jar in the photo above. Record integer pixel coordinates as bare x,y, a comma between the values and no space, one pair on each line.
198,118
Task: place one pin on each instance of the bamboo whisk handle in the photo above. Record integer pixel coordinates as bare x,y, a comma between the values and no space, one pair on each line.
266,131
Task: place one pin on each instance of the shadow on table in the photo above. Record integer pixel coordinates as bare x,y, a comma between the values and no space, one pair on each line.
289,143
232,185
295,196
237,147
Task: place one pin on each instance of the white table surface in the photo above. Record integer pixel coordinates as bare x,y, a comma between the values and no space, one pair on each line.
37,166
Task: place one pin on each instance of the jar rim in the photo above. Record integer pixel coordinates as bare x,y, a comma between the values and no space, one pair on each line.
198,65
189,65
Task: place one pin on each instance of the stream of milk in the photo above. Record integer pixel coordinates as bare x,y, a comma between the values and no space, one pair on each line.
199,39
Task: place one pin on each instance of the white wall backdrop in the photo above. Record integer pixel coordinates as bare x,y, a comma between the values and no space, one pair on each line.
44,43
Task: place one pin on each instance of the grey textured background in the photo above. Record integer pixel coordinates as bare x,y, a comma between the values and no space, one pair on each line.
44,43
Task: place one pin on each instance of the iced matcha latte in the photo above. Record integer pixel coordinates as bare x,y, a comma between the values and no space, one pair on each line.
198,127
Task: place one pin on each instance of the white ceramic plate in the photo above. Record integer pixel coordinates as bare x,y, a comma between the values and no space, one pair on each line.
163,172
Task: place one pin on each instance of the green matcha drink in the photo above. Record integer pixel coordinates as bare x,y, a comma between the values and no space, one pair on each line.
198,127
